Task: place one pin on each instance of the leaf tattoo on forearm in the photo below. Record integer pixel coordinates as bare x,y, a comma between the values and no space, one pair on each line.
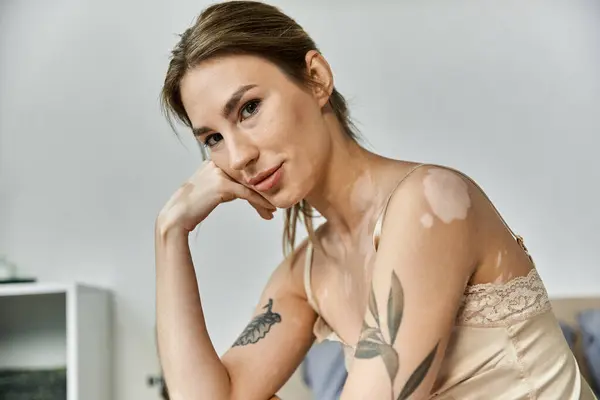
258,327
373,344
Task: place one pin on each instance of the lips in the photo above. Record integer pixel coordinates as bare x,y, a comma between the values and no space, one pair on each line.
266,180
262,176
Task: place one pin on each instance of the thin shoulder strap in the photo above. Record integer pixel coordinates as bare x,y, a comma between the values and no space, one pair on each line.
378,225
484,195
517,237
307,268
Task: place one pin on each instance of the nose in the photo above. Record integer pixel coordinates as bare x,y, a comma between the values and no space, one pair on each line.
242,151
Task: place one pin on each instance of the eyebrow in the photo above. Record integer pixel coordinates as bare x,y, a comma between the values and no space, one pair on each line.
228,107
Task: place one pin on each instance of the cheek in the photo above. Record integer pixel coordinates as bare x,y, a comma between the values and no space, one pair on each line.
291,128
295,127
277,127
309,133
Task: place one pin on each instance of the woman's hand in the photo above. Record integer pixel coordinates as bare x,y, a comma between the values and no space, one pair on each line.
203,192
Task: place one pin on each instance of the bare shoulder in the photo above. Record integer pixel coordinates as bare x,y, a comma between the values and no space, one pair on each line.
436,204
425,258
447,190
444,193
447,203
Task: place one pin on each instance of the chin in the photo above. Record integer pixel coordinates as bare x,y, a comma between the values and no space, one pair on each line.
284,199
289,192
283,202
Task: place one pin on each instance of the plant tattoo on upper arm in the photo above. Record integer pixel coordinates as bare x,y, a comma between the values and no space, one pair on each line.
258,327
373,344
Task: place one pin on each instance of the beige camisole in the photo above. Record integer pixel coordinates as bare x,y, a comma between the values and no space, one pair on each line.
506,342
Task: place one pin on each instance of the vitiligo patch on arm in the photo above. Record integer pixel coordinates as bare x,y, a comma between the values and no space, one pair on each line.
499,260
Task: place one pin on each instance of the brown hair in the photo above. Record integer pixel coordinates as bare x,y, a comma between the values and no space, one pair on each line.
249,28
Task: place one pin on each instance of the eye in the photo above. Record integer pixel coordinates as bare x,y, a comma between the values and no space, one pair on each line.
212,140
249,109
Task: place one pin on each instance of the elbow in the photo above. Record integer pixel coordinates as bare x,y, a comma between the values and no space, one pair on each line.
195,388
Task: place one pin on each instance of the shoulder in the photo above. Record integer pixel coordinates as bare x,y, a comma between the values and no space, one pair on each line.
423,262
428,179
433,209
434,193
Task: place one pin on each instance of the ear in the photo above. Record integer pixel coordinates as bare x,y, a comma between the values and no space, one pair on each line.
320,73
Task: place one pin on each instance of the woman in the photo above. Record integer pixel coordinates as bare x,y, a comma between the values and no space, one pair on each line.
414,271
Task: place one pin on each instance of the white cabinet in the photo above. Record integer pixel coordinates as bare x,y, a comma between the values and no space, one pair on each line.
45,326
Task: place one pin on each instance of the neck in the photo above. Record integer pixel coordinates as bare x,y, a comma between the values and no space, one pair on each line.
351,189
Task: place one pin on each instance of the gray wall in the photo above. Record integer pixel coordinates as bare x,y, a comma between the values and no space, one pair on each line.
507,92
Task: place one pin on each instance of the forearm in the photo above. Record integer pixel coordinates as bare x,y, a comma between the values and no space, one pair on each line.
192,368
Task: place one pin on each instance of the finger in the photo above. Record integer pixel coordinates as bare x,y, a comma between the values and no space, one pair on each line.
264,213
243,192
271,206
255,197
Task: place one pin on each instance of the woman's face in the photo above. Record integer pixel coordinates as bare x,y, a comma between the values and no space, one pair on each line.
263,130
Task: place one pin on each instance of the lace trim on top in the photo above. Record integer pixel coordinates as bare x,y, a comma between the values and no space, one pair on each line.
491,304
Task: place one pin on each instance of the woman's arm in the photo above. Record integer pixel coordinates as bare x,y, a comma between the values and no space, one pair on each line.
424,260
261,360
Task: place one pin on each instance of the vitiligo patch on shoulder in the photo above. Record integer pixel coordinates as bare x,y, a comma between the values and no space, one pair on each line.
447,195
427,220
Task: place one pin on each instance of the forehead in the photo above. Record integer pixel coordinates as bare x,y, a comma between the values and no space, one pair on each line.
210,84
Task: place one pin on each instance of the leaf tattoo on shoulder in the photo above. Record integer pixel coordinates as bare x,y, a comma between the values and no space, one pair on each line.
373,344
259,326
